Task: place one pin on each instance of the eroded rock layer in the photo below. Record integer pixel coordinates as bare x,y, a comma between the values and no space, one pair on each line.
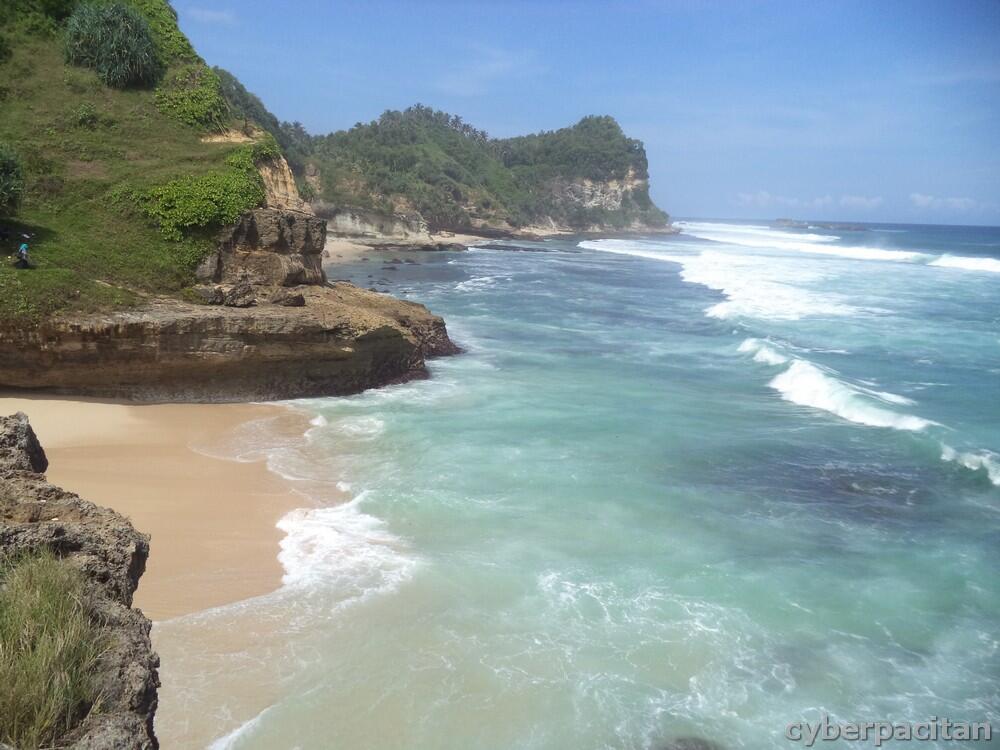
337,339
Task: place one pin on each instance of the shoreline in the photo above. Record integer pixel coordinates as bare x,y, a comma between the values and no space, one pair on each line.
211,520
345,248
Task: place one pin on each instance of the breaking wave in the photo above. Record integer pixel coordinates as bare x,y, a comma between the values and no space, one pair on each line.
807,384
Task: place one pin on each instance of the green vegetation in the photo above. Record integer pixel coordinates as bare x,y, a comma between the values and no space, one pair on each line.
212,200
84,147
173,46
120,191
11,179
454,174
49,645
192,94
115,41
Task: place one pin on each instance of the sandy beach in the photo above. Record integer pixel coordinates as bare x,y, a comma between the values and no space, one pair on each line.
211,520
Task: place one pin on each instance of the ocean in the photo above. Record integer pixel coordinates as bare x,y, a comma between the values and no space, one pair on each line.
697,486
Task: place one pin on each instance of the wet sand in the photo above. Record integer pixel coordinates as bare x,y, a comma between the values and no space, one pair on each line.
211,520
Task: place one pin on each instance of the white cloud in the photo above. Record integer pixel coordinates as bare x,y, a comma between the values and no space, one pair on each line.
209,15
860,201
934,203
481,66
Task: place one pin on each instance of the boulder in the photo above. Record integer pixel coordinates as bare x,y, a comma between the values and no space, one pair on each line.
240,294
287,298
19,448
274,247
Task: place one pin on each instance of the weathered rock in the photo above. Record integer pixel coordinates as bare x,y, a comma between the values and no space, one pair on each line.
344,340
210,295
272,247
112,555
240,294
19,448
288,299
280,190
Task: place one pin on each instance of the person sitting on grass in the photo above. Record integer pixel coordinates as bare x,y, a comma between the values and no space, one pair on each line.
22,257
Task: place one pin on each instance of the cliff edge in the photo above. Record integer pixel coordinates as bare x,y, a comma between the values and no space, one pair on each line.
111,554
263,324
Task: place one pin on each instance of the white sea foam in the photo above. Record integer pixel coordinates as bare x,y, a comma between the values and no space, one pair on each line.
750,282
318,421
808,385
764,238
987,461
344,551
360,427
762,352
991,265
243,730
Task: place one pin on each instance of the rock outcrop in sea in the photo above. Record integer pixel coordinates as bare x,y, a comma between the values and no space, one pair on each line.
111,554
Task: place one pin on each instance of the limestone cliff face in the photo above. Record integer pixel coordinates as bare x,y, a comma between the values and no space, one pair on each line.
111,554
567,206
280,188
356,222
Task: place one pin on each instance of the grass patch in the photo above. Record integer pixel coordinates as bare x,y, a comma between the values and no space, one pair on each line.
49,645
83,144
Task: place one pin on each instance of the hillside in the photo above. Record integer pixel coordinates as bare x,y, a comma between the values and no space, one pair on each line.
123,188
123,173
588,176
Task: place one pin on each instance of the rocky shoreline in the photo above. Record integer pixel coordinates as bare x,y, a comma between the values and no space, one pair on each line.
267,325
103,545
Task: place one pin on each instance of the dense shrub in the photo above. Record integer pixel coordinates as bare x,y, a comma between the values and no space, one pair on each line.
4,49
211,200
192,94
49,645
170,40
115,41
11,179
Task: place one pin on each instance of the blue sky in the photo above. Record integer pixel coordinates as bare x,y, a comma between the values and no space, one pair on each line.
879,111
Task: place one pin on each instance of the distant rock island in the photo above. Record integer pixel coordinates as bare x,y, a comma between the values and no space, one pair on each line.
835,226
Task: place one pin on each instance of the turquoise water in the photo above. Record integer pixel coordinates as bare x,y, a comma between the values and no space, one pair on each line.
695,486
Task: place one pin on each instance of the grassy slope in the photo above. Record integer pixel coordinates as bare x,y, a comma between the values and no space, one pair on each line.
49,645
74,163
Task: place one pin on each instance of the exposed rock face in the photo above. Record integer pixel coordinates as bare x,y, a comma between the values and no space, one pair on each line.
342,340
353,222
112,556
624,203
19,448
271,247
280,188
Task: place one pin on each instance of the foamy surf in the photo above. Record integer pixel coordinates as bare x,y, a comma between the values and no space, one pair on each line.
806,384
756,237
754,286
985,461
762,352
347,553
990,265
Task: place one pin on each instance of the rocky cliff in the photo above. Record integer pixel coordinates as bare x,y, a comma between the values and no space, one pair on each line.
311,341
263,323
112,556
